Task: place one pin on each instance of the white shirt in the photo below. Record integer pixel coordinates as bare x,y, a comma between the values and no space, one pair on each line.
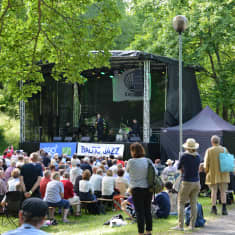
8,162
74,172
12,182
170,170
113,168
85,186
96,181
108,184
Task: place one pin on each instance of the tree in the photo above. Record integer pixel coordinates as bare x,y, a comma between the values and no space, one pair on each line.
35,32
208,42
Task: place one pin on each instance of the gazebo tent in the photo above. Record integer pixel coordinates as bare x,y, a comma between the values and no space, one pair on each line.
201,127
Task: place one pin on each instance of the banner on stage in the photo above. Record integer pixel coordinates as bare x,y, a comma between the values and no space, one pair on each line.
95,149
128,86
59,147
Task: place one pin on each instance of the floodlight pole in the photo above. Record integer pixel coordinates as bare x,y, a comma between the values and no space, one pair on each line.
180,24
180,97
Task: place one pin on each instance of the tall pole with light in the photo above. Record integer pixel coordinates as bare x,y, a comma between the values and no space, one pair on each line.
180,24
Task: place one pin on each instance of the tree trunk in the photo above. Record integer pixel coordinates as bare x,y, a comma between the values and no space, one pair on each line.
225,112
217,108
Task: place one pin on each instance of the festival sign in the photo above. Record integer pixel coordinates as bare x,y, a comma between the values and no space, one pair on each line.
59,147
128,86
94,149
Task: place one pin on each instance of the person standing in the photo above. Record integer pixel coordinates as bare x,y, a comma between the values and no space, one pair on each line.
190,185
100,126
31,174
216,179
137,167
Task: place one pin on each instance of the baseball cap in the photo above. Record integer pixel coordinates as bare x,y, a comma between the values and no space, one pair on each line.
35,206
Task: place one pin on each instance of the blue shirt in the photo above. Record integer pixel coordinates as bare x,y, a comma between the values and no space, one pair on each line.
162,200
26,229
190,167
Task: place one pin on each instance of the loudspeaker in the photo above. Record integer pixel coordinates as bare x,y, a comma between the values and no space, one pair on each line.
57,139
135,139
68,138
85,139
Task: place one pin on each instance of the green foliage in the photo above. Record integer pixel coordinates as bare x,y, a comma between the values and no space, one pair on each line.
60,32
8,104
9,132
209,42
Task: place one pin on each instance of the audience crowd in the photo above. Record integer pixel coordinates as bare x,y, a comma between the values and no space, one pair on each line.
63,182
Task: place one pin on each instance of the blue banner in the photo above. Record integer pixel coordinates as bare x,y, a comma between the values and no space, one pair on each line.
59,147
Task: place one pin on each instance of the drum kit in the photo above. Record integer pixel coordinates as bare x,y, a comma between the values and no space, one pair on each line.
122,135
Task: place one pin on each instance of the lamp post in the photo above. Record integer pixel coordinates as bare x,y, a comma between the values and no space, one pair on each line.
180,24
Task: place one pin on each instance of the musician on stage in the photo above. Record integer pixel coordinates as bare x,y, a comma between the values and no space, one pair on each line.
135,128
99,126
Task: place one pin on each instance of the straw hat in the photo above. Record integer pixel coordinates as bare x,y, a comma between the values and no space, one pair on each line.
191,144
169,161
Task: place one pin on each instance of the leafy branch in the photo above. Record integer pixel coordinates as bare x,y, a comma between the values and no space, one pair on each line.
3,15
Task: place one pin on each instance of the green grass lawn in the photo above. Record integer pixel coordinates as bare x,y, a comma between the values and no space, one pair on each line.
93,224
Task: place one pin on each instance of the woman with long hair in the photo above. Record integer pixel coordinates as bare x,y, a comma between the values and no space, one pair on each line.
137,167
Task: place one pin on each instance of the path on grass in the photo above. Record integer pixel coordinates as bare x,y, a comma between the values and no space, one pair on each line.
222,226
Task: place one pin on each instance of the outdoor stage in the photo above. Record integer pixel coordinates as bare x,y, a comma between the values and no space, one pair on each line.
137,85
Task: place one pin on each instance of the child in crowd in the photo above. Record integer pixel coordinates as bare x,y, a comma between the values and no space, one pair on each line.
173,197
162,205
128,206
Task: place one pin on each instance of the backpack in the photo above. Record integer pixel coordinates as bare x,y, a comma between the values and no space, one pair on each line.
154,181
200,221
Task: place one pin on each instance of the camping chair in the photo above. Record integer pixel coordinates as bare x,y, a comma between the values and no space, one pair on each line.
13,202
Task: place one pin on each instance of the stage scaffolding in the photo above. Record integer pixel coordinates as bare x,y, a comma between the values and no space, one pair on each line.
44,116
146,103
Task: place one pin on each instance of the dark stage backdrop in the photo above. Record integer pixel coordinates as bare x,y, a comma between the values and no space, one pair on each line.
48,113
97,97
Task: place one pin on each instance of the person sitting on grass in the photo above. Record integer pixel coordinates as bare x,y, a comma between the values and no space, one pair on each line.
128,207
54,195
162,203
31,217
173,197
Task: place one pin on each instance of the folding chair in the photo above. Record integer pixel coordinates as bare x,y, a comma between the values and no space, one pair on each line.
13,202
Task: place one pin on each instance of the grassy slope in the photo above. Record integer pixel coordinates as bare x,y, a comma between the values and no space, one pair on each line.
9,132
93,225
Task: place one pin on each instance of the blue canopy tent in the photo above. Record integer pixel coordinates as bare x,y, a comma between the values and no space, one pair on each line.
201,127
